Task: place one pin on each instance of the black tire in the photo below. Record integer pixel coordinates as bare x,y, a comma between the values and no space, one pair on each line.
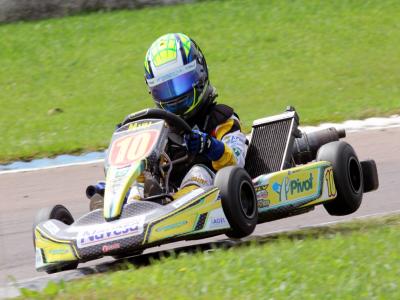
239,200
60,213
348,176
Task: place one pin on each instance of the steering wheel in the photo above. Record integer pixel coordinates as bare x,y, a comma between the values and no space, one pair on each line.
157,113
171,118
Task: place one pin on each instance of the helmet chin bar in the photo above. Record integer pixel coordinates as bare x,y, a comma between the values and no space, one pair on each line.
207,97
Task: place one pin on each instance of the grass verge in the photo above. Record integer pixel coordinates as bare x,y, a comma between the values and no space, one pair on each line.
65,82
355,260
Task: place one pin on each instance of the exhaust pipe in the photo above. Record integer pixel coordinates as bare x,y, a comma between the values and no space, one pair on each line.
306,147
98,188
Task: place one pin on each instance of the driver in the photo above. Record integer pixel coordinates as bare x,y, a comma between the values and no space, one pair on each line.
177,76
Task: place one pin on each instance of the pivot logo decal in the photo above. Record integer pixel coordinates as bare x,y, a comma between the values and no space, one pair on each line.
290,187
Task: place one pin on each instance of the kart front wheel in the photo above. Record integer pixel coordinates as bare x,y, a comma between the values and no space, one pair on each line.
348,176
62,214
239,200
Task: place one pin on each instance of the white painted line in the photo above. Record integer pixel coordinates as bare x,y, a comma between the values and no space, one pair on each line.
53,167
375,123
9,292
381,214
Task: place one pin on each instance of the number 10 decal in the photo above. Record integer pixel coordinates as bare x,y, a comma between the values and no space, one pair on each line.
330,183
130,148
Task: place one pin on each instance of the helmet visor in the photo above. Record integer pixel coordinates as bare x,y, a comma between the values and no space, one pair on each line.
175,83
179,105
174,87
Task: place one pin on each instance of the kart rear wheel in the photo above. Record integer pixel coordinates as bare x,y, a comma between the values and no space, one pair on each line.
239,200
57,212
348,176
62,214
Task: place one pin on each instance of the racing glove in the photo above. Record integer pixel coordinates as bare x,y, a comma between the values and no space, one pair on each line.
198,142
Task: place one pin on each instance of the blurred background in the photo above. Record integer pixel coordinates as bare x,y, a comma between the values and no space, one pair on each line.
16,10
65,82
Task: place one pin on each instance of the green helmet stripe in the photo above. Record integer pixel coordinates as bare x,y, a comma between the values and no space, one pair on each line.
163,50
197,100
146,64
185,42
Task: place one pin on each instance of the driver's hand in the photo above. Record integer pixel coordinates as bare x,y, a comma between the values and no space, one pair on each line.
198,142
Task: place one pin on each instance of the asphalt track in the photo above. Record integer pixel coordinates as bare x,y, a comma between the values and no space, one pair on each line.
22,194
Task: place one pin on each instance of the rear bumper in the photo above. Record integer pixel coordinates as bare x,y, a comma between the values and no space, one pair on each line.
370,175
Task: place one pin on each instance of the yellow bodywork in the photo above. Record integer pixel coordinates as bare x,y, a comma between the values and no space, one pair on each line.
185,220
117,188
54,251
306,185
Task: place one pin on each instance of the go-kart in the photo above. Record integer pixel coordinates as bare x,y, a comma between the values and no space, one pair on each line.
287,172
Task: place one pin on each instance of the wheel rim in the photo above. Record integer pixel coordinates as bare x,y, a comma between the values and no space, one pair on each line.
354,175
247,200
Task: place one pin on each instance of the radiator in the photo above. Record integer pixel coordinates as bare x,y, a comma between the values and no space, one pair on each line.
271,144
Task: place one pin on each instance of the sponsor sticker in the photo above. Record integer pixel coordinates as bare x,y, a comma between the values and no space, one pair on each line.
262,203
262,191
217,220
121,172
172,226
237,151
59,251
173,74
290,187
108,248
95,235
141,125
262,195
217,223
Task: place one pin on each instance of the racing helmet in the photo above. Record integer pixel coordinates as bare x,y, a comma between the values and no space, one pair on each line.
176,74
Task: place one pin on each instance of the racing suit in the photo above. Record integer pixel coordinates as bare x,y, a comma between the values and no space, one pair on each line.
220,122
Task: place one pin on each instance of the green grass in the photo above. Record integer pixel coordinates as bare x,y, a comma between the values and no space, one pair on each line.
332,60
358,260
